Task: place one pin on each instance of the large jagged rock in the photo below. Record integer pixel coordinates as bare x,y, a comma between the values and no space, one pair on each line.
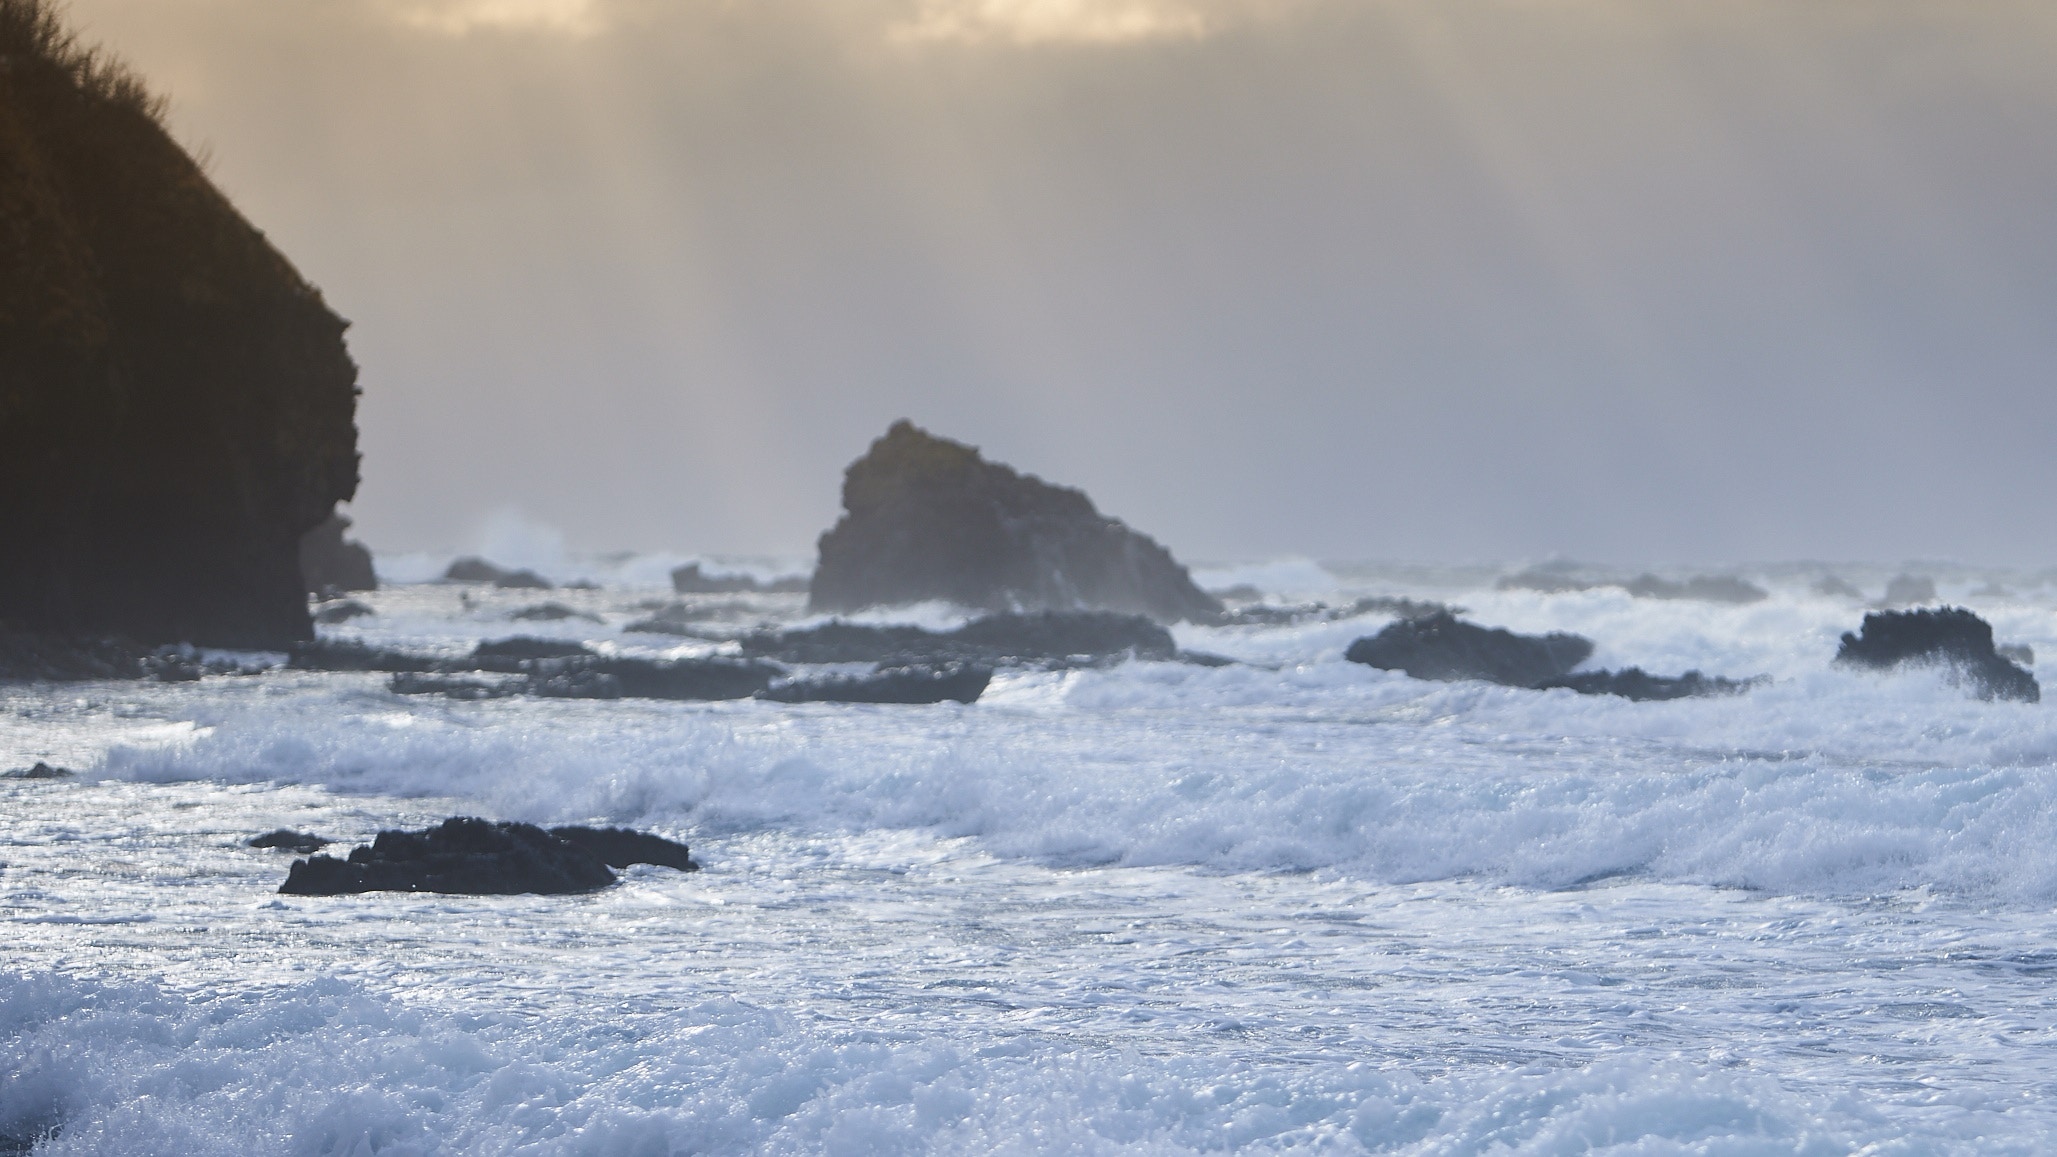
1949,637
330,563
176,402
927,518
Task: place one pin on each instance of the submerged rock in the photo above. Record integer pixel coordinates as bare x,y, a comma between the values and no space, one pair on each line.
478,857
1444,647
1948,637
551,613
288,840
927,518
40,771
1634,683
331,563
954,682
176,402
1043,638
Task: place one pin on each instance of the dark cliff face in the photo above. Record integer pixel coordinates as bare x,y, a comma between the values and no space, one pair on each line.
176,402
928,518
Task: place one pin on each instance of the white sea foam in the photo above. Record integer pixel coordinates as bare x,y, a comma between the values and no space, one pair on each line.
1293,904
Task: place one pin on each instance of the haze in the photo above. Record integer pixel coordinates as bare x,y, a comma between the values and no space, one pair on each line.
1405,279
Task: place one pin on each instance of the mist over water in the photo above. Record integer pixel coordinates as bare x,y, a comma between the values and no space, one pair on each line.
1396,279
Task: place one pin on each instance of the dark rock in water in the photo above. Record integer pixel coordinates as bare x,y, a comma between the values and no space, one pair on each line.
502,654
621,847
954,682
473,569
342,655
1909,590
688,679
467,856
1549,580
1043,638
176,401
551,613
1949,637
1267,615
927,518
1704,588
40,771
286,839
691,580
524,580
1444,647
329,614
1634,683
329,562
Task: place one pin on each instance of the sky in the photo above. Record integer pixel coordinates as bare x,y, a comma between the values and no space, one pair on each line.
1631,281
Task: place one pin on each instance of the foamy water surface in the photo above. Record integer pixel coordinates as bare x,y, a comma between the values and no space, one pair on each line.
1288,904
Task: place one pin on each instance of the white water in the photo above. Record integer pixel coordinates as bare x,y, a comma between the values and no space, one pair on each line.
1295,904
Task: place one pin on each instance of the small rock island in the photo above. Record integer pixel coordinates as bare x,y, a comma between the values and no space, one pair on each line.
927,518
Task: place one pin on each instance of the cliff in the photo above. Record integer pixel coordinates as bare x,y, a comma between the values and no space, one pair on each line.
928,518
176,402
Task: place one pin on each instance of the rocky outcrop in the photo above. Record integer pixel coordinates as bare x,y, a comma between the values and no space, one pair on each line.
176,402
927,518
288,840
1042,639
1948,637
472,569
40,771
477,857
331,564
1634,683
1443,647
951,682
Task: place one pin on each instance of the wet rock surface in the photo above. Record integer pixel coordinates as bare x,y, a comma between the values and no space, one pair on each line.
953,682
1444,647
472,569
1036,639
288,840
1634,683
927,518
479,857
40,771
1949,637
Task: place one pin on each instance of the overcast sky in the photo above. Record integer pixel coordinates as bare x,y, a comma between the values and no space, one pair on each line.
1624,280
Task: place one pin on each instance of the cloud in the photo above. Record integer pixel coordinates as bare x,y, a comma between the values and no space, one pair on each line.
458,17
1055,21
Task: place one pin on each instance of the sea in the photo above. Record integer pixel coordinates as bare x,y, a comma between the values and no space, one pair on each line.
1288,904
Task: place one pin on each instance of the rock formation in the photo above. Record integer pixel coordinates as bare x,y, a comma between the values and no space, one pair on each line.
1949,637
1553,580
1042,639
331,564
1445,647
176,403
472,569
928,518
477,857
